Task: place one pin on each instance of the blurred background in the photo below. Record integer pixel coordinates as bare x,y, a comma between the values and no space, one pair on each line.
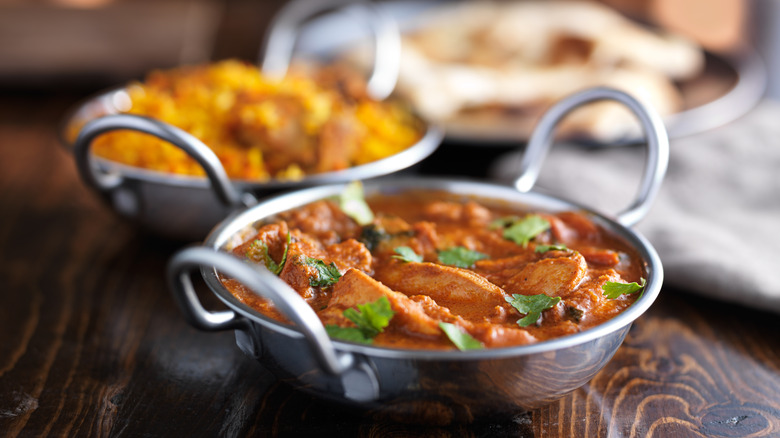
90,44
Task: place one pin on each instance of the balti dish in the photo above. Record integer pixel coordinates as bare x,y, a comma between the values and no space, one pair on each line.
441,272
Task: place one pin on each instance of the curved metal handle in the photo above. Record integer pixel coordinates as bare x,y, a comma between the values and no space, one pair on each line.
283,32
105,183
263,283
184,293
657,157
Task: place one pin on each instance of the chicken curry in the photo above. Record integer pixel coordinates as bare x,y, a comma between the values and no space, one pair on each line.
423,270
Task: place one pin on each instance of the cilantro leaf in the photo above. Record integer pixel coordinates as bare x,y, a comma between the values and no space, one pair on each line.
614,289
532,306
353,203
406,254
462,340
352,334
521,232
460,257
259,245
370,319
372,235
326,274
545,248
503,222
574,313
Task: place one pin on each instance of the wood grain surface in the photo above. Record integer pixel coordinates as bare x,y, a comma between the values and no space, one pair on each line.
92,344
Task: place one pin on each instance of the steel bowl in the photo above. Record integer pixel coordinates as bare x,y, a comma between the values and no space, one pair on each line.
435,387
186,207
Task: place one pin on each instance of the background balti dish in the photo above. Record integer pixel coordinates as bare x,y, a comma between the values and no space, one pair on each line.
273,130
488,69
316,119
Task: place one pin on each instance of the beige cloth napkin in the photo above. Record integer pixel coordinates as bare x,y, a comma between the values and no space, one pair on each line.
716,221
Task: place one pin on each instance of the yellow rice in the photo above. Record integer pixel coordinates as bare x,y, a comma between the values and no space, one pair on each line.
247,120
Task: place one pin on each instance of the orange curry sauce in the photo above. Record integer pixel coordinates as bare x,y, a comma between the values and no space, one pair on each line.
424,294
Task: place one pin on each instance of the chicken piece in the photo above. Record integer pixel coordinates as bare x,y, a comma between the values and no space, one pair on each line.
425,240
495,335
274,125
484,240
490,334
590,298
489,267
554,277
599,256
338,142
438,312
499,271
274,236
297,272
324,220
350,254
391,224
385,232
470,213
421,237
355,287
465,293
570,227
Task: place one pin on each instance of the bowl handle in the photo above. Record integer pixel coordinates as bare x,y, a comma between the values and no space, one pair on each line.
263,283
108,183
283,32
657,156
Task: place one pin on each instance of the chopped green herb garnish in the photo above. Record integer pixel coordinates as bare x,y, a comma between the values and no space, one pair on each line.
352,334
503,222
259,245
353,203
406,254
461,339
614,289
372,235
521,232
532,306
370,319
326,274
545,248
460,256
574,313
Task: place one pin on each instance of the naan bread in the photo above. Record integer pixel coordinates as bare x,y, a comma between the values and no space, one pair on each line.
480,65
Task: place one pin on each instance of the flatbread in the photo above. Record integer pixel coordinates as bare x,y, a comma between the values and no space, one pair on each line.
493,67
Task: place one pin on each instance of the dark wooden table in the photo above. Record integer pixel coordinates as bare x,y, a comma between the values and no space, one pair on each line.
92,344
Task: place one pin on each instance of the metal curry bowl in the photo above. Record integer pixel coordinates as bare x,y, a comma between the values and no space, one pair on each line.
186,207
435,387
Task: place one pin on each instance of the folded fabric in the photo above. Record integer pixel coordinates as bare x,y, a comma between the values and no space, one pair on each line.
716,220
